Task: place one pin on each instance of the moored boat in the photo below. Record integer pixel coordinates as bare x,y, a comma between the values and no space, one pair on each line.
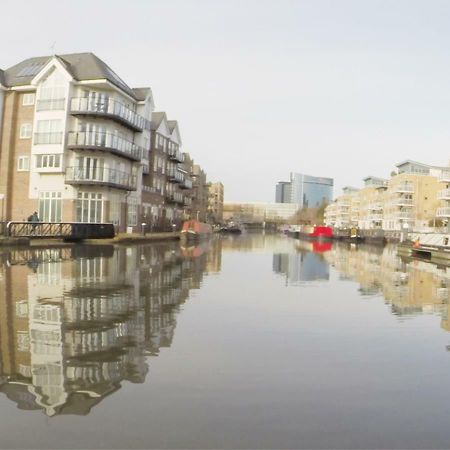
231,227
313,233
193,230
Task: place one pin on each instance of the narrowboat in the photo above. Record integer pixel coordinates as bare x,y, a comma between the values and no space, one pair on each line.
312,233
193,230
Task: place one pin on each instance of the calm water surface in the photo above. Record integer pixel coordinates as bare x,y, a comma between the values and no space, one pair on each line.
246,342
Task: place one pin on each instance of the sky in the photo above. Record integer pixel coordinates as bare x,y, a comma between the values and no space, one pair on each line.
262,88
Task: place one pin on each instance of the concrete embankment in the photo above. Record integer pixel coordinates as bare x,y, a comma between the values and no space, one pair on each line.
123,238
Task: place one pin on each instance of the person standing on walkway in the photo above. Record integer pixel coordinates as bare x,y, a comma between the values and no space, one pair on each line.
34,219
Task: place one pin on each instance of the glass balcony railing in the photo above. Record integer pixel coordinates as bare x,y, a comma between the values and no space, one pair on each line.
176,155
104,141
445,176
48,138
175,176
110,108
101,176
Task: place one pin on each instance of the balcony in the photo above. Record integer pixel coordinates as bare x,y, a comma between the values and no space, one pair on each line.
48,138
54,104
186,184
175,177
375,217
403,215
377,206
400,201
407,188
176,155
443,212
444,194
175,197
187,201
445,176
107,108
101,176
108,142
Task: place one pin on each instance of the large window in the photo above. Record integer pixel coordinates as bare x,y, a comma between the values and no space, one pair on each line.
89,207
52,93
115,208
50,206
48,132
25,131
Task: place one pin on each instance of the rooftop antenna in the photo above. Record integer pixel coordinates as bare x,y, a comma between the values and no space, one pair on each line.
52,48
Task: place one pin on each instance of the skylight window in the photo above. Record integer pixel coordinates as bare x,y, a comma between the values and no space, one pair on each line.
30,70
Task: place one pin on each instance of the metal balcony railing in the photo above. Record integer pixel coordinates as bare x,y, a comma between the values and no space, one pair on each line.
444,194
404,188
48,138
101,176
175,176
186,184
54,104
445,176
402,202
104,141
107,107
443,212
176,155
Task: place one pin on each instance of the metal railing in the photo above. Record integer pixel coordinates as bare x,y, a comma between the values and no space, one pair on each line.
186,184
107,107
443,212
48,138
68,230
445,175
174,175
105,141
444,194
105,176
176,155
404,188
54,104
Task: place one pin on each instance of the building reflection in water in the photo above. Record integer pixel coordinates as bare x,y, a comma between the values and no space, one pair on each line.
306,264
409,286
75,322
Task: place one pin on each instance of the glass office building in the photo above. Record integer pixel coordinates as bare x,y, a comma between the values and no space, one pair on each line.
305,190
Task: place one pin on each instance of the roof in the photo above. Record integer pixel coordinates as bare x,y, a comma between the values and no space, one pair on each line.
142,93
416,163
82,66
172,125
157,118
2,77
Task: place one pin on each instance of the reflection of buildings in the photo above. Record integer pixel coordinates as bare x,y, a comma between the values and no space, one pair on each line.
301,266
73,326
410,287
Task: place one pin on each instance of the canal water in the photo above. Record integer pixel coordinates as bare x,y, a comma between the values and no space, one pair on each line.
255,341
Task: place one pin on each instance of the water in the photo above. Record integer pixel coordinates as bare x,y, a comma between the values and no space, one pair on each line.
248,342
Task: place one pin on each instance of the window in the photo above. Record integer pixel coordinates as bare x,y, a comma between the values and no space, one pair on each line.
22,308
132,212
23,341
48,132
52,161
114,209
28,99
89,207
50,206
25,131
23,163
52,93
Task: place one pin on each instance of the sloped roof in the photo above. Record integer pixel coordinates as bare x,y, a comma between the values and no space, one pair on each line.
172,125
82,66
157,118
142,93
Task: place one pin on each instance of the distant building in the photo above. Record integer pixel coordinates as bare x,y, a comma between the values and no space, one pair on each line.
215,202
305,190
259,212
283,192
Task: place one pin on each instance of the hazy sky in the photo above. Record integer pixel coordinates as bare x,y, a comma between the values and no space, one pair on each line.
337,88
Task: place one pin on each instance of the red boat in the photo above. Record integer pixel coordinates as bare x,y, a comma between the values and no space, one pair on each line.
193,230
314,233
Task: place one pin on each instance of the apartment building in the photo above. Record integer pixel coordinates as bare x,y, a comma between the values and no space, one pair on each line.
215,202
344,211
412,196
199,206
443,211
77,144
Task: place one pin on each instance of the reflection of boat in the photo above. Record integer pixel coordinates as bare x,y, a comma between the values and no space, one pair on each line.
315,246
231,227
194,251
193,230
